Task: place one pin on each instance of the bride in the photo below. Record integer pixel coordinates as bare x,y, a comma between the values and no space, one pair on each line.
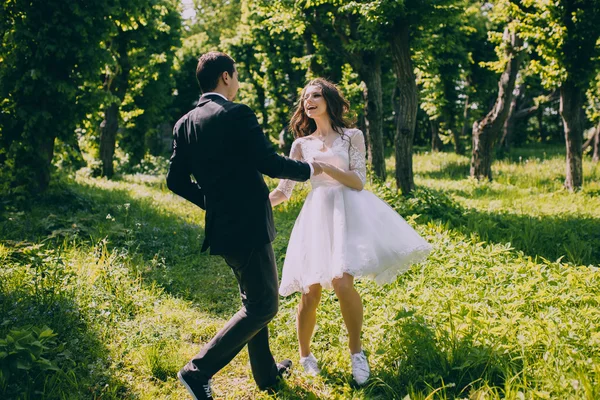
342,232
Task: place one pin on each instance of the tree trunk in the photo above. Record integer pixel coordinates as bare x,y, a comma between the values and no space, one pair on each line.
260,94
314,68
108,134
368,66
596,154
371,75
42,158
363,123
449,117
488,129
572,102
458,148
509,124
115,82
38,163
436,141
407,115
590,141
465,125
541,127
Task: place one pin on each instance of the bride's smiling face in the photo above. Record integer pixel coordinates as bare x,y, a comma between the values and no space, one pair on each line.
314,103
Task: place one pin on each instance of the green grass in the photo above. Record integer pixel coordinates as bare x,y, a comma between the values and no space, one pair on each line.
505,307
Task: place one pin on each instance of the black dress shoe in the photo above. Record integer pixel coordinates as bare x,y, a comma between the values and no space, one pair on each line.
198,388
284,368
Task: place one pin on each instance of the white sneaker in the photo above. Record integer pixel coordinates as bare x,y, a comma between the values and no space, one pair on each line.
360,368
310,365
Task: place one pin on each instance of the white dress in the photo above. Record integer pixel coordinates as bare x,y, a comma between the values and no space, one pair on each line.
340,229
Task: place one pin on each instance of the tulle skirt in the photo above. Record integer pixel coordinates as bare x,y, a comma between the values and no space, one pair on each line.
340,230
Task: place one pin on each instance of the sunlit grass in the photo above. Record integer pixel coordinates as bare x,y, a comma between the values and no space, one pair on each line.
527,184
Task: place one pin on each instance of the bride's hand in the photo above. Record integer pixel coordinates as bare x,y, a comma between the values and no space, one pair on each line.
327,168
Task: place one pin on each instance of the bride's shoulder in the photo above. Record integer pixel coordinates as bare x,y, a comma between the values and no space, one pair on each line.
352,131
298,142
303,139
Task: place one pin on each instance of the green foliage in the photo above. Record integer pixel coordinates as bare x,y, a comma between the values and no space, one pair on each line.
49,50
138,82
26,355
217,19
448,58
593,95
65,47
148,103
152,165
564,35
525,206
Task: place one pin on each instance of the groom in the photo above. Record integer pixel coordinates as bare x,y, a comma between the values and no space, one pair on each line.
221,144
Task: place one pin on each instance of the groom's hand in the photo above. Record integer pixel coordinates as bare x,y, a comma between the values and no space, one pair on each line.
317,168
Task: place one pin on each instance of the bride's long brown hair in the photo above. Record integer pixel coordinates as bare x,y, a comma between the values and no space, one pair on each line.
337,109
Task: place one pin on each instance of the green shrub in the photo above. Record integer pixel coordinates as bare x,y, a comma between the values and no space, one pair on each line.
28,356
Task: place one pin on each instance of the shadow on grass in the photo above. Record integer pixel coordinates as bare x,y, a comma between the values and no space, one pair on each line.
574,238
421,359
163,247
77,351
450,170
459,170
287,392
537,151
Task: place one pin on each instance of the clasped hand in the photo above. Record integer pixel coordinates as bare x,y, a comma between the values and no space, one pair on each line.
320,167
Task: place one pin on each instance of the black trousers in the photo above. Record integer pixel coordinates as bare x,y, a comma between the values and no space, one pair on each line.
256,273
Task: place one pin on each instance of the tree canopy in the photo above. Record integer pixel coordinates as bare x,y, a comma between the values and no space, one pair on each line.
105,82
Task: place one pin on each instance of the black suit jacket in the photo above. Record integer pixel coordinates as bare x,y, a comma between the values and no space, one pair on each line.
221,145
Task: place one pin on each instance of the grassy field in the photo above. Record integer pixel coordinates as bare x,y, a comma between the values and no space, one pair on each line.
104,292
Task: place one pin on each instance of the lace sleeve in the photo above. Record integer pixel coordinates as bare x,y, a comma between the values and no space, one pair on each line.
358,155
286,186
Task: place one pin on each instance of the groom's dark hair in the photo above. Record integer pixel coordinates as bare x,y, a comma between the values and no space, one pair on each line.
210,68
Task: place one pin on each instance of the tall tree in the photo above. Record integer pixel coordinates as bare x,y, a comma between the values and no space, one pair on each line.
147,107
596,144
528,99
564,33
49,50
276,55
354,38
442,58
487,131
480,82
399,23
141,35
269,48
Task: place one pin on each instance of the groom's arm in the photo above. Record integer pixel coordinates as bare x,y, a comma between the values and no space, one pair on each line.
261,152
179,179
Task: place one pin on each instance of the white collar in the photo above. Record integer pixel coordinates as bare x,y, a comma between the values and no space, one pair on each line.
215,93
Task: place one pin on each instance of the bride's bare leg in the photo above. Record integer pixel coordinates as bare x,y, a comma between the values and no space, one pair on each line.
352,309
307,317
